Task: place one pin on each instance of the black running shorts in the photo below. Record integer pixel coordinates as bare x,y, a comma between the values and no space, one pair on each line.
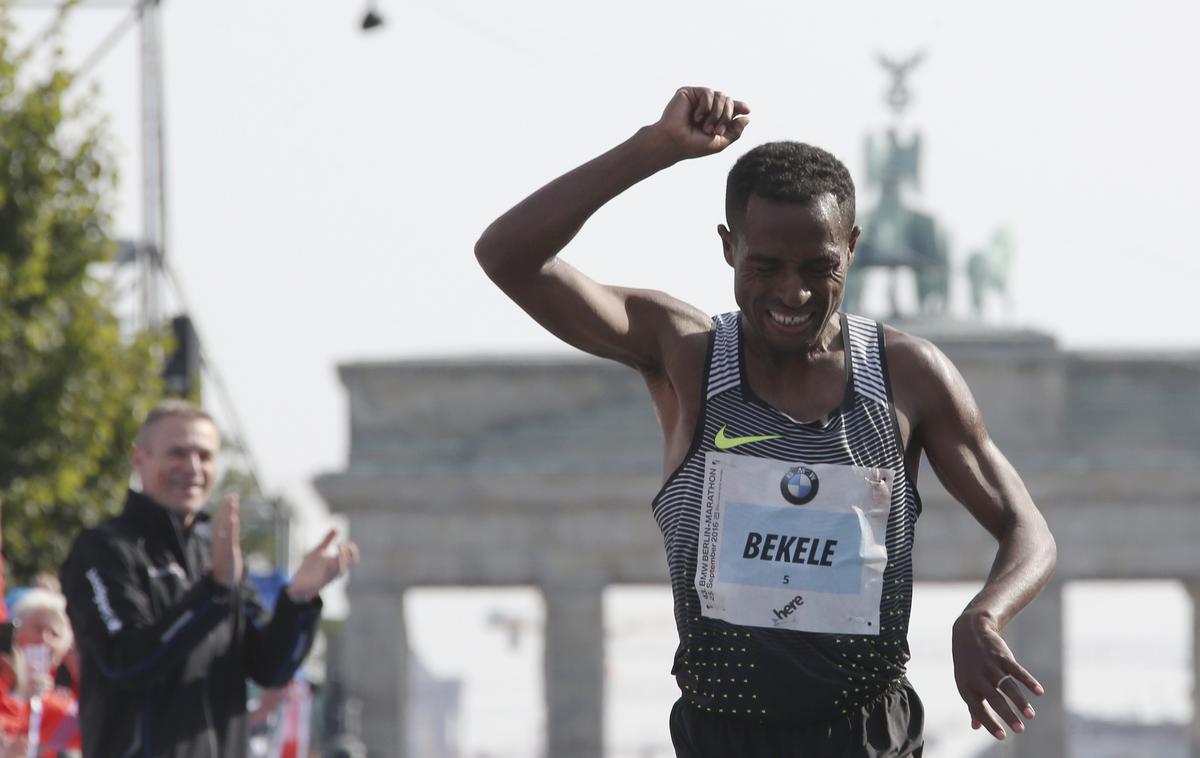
889,727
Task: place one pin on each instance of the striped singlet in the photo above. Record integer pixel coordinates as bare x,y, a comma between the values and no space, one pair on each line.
783,675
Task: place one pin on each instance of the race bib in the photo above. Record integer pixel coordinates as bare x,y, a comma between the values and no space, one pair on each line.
793,546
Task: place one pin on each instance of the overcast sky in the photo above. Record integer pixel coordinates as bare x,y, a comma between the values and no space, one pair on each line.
326,186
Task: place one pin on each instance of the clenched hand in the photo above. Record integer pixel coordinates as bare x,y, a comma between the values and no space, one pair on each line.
700,121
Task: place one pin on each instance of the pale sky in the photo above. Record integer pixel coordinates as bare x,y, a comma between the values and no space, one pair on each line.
326,186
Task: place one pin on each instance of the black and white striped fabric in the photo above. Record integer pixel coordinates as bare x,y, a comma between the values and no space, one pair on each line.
773,674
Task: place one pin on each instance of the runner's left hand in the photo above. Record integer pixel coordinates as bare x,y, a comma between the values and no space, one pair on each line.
984,667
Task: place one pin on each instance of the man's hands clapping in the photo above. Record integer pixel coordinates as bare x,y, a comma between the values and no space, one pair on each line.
320,566
324,563
226,543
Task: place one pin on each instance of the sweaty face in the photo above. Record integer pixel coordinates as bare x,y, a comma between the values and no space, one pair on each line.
789,266
177,462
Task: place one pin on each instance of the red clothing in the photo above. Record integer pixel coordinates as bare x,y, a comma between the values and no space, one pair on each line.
3,605
60,720
14,717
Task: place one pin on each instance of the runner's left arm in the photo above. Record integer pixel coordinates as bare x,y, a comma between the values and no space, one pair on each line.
948,425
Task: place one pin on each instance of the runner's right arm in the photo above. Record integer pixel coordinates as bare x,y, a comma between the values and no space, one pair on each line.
519,251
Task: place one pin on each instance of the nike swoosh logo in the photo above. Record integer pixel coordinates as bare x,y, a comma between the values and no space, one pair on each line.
724,443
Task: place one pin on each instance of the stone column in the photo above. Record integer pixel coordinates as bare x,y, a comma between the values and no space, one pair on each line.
1193,588
1036,638
574,668
377,668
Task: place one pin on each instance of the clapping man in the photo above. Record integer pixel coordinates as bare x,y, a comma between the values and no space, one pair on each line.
167,629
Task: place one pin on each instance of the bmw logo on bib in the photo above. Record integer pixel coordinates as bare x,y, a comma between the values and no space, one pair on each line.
799,485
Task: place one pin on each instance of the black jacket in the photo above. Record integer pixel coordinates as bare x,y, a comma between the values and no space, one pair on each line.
165,649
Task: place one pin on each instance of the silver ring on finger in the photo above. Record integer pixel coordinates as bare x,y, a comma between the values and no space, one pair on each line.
1004,679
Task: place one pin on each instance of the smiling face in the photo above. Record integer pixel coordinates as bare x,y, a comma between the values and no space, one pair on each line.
790,261
176,459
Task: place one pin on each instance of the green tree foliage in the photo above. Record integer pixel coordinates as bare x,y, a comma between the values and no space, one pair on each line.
71,388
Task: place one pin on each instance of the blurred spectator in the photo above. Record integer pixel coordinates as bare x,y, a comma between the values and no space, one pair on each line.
13,716
281,719
40,618
10,681
168,628
32,706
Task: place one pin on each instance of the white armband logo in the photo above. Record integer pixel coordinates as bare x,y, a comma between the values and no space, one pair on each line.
100,596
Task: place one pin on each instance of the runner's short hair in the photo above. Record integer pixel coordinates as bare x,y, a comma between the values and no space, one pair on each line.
790,172
171,407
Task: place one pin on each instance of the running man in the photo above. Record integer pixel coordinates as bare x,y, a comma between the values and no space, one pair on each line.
792,435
